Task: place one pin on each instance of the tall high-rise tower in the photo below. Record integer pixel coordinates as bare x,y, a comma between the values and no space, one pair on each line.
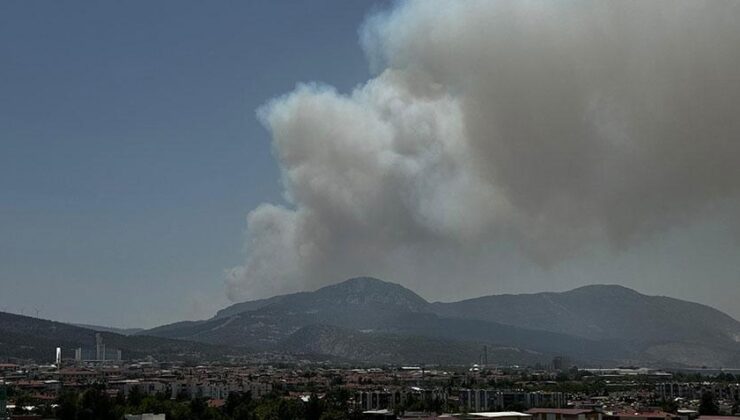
99,347
58,359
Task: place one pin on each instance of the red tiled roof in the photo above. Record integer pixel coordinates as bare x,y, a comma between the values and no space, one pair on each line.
214,403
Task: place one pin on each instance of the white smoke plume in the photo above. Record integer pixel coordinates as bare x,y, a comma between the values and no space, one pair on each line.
546,126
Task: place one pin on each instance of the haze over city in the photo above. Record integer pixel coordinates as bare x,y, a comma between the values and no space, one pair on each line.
161,161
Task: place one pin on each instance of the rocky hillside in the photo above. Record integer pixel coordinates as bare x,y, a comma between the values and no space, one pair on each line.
658,327
595,324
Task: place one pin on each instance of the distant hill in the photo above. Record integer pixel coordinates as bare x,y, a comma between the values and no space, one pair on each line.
385,312
360,303
660,328
122,331
32,338
593,324
370,320
357,291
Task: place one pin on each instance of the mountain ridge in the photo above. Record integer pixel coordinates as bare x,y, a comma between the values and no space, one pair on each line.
595,322
367,320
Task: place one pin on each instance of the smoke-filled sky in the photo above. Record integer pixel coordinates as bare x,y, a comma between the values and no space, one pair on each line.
457,148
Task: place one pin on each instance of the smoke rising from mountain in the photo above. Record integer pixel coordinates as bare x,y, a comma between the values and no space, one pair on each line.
546,126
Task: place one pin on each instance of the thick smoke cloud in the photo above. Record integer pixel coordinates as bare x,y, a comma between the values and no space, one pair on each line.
545,126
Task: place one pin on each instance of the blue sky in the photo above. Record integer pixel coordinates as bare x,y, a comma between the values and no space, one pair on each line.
130,151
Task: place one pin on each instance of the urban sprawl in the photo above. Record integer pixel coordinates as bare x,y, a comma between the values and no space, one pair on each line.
109,388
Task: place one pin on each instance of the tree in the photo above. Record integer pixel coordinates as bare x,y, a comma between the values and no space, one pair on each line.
669,406
436,405
68,403
333,415
708,406
314,408
279,408
198,407
135,396
726,377
23,399
337,399
96,403
238,402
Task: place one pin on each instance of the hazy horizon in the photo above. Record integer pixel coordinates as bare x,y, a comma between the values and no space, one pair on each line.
163,161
